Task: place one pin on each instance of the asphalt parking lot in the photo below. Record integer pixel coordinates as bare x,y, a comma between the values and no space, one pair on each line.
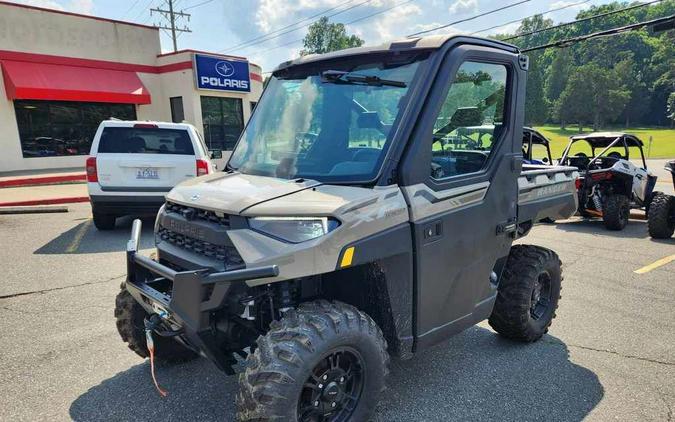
609,355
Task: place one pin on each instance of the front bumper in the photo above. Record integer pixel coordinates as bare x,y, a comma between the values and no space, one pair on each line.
188,297
126,204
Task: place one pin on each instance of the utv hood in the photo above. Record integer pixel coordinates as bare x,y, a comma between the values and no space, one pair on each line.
232,193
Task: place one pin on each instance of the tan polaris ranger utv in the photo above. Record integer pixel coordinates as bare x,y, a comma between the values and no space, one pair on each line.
350,225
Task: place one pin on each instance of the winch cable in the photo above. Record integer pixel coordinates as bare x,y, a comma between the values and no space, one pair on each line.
150,324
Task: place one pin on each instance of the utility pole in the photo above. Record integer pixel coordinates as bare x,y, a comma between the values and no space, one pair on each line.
172,18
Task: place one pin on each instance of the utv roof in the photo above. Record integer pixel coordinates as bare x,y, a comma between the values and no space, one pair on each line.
603,139
433,42
537,137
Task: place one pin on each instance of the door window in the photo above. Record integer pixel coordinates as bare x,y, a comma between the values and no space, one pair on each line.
470,121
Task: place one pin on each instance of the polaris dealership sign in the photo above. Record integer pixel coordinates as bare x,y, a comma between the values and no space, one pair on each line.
222,75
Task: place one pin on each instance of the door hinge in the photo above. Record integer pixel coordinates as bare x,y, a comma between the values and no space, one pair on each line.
508,227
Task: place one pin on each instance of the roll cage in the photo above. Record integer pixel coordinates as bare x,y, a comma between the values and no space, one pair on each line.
605,141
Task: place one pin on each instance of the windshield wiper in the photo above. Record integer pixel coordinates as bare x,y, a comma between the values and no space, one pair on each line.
339,76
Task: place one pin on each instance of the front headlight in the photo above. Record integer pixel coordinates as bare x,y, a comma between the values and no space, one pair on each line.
294,229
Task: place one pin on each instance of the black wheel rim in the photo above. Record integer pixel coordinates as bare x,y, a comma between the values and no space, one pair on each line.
333,389
541,296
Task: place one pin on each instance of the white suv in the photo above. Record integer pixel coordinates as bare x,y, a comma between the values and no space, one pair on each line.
133,164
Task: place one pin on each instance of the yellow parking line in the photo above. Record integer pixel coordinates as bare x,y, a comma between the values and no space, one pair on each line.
77,239
656,264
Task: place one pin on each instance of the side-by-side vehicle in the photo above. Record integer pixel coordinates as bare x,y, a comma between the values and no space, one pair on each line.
349,226
611,184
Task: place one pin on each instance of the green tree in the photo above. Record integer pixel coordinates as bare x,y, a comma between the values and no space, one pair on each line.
628,75
558,73
592,95
323,37
671,108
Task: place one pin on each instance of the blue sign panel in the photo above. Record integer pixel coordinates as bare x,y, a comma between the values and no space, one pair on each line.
222,75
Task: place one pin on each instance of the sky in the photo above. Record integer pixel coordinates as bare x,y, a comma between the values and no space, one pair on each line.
223,25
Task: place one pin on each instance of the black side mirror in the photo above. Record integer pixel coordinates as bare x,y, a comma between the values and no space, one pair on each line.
215,154
545,160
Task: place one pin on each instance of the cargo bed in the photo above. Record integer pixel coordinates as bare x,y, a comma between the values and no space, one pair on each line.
546,192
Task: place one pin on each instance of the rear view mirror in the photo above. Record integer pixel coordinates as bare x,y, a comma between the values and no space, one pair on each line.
369,120
215,154
545,160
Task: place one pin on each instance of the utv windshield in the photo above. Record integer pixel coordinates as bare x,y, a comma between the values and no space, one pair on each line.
333,124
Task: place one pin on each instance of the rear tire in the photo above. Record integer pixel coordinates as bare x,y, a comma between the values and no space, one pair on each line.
104,221
130,315
528,293
661,222
616,212
322,357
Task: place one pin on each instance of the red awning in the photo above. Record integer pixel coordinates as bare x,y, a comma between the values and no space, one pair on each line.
37,81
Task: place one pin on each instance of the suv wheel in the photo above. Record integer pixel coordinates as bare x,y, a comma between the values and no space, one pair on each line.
661,220
616,212
130,315
528,293
104,221
323,361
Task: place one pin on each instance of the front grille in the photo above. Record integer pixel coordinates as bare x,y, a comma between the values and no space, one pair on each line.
225,254
192,213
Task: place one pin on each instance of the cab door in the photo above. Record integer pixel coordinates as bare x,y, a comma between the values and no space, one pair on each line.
463,212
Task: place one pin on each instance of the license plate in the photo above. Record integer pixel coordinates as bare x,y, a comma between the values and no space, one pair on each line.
147,173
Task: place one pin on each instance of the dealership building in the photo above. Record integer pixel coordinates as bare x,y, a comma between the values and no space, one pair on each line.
63,73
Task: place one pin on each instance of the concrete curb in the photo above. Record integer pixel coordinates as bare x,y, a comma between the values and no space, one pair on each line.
45,180
32,210
48,201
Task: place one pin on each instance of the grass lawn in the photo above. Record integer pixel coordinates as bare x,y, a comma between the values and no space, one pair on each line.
663,140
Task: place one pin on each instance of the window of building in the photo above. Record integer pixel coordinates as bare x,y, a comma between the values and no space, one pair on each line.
223,121
61,128
177,113
470,120
253,104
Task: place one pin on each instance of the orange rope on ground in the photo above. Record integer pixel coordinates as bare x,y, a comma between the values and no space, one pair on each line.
162,392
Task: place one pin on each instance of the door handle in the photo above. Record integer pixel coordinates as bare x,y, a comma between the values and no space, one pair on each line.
433,231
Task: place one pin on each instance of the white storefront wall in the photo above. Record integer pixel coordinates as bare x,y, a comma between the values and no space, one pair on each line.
61,35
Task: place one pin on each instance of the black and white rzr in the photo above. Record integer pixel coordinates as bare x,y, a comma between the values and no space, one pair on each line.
661,221
610,184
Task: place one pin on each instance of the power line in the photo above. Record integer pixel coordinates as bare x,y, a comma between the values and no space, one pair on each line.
289,26
197,5
600,15
606,33
172,18
300,27
143,9
346,23
489,12
378,13
531,16
129,9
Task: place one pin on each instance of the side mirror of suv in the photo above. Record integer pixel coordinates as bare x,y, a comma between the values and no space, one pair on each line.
215,154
